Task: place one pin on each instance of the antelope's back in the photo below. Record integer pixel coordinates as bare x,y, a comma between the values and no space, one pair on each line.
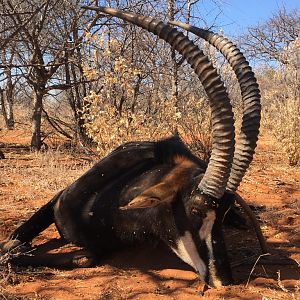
90,216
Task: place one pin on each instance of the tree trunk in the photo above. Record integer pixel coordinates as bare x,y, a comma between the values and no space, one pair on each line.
76,101
36,139
10,101
8,93
3,108
188,13
79,91
174,65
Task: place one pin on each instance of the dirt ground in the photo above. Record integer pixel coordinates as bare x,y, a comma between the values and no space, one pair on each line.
27,180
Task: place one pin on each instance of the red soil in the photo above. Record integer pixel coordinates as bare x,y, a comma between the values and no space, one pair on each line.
156,273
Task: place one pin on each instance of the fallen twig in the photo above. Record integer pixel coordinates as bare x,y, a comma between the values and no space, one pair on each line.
265,254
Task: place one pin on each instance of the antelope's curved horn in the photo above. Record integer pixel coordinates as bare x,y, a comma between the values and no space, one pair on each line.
216,176
246,143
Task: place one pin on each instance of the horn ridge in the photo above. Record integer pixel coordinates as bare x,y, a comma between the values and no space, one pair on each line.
247,140
216,176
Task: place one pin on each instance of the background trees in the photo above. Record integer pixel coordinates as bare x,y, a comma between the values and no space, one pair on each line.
276,43
38,52
90,78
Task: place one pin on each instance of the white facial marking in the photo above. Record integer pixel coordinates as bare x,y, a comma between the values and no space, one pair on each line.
211,263
208,223
205,234
187,251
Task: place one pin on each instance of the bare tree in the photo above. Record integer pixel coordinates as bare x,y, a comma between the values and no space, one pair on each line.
277,43
269,40
277,40
7,30
41,50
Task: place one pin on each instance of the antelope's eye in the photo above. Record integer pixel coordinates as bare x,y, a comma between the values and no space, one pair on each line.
195,211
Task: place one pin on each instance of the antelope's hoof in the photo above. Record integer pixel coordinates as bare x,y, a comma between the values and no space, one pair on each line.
13,246
83,261
9,245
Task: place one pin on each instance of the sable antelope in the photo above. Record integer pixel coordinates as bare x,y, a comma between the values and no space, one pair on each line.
160,190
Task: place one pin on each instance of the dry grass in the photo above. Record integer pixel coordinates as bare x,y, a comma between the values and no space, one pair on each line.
281,109
26,178
37,177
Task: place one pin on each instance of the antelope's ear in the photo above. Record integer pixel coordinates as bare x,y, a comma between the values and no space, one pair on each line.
153,196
